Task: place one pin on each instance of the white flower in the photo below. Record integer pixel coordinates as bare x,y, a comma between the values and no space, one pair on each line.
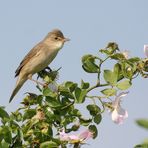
146,50
126,54
119,114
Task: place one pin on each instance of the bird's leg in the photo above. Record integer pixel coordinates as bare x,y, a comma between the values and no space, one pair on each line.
30,78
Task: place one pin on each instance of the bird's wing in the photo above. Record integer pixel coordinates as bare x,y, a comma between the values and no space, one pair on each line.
27,58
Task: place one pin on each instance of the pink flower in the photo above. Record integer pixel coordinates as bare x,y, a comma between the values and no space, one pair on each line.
85,135
64,136
119,114
146,50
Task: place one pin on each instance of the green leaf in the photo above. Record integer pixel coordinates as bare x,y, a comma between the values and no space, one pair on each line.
143,123
94,130
4,144
85,122
118,71
1,134
16,116
118,56
49,144
7,134
105,51
109,91
85,57
97,118
71,86
49,92
3,113
93,109
75,112
128,69
65,92
80,95
110,49
53,102
75,127
89,64
84,85
124,84
110,77
141,146
29,113
113,46
134,60
19,134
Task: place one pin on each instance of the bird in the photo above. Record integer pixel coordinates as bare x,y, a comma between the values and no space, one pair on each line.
39,57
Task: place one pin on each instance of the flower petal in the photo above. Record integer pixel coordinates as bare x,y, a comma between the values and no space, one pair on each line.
64,136
118,98
118,116
86,135
73,137
146,50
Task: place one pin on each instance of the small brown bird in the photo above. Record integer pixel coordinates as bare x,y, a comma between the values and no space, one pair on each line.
38,58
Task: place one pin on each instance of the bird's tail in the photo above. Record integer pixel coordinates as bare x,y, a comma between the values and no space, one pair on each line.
19,84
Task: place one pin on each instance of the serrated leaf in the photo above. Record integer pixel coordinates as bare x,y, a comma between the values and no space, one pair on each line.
80,95
49,144
94,130
124,84
97,118
109,91
143,123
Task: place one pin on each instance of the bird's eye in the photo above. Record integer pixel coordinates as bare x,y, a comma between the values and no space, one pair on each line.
56,38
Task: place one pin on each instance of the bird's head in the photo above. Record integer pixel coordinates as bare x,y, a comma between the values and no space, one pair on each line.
55,38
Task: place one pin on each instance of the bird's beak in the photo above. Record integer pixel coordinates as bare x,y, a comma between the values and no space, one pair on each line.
66,39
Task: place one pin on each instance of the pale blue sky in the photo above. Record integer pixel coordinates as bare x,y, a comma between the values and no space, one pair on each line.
90,25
